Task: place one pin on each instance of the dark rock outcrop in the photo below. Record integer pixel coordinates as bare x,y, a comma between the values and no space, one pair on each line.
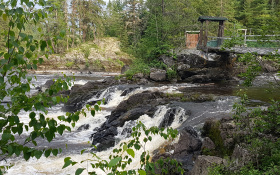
203,163
168,60
80,94
193,68
187,148
130,109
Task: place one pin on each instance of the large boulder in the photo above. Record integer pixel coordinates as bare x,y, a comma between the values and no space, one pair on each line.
168,60
203,163
158,74
187,148
80,94
128,110
240,157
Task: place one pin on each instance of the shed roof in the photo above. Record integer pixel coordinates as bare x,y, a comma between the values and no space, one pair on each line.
211,18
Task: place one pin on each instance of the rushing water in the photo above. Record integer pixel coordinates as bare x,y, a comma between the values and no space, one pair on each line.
79,139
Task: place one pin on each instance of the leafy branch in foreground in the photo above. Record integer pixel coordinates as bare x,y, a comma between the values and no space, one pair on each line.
23,53
123,156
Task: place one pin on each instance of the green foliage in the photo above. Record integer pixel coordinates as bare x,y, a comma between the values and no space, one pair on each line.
69,64
171,74
212,130
123,156
86,52
138,66
18,58
252,62
268,121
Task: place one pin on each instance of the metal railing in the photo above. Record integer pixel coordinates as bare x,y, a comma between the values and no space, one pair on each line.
262,41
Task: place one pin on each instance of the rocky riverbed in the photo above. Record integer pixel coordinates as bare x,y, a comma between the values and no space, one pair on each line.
203,92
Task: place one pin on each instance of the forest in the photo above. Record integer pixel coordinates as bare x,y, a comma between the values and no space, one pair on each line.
145,27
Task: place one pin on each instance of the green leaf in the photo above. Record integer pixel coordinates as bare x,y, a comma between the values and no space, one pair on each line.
41,60
43,45
42,2
4,17
21,49
32,48
99,103
67,162
93,113
13,3
130,152
48,153
10,150
137,146
62,34
49,136
39,29
28,55
124,147
1,79
60,129
114,161
6,136
142,172
26,155
38,154
82,151
32,115
55,152
96,107
79,171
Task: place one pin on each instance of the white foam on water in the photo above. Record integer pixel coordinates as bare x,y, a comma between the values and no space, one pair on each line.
53,165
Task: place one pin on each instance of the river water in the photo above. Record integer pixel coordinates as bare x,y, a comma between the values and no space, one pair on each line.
79,139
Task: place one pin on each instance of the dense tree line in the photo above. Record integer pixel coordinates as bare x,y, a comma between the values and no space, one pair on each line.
146,27
150,27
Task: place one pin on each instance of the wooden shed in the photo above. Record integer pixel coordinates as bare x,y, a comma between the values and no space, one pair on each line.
192,39
215,41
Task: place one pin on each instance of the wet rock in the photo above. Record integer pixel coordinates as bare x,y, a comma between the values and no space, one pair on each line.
138,76
240,156
137,100
208,144
130,110
80,94
168,118
48,84
83,127
183,67
104,139
168,60
199,79
143,81
124,69
269,66
158,74
187,148
195,61
126,132
128,90
203,163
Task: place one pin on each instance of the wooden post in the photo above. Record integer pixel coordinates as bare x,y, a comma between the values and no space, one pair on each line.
206,34
220,33
201,36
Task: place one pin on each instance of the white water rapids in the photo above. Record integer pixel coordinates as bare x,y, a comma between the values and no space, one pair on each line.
81,138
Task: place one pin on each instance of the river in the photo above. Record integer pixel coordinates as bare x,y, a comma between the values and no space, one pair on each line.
79,138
